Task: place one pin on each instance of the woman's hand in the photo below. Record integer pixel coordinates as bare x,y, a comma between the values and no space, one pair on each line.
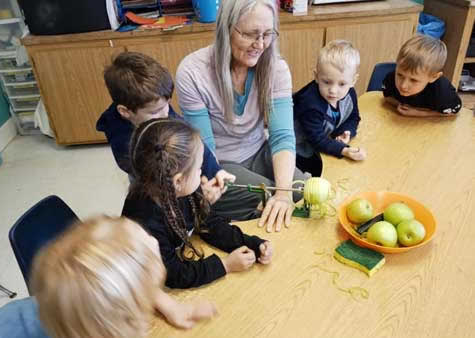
278,209
239,260
213,189
266,252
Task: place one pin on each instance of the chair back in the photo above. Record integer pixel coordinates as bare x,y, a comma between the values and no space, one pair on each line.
379,73
41,223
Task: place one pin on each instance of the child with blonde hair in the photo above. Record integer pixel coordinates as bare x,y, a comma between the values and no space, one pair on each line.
417,87
326,110
166,156
101,278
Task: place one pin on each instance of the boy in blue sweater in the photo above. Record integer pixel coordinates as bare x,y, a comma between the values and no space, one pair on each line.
326,112
141,90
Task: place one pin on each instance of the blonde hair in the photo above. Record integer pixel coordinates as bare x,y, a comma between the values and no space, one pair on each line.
340,54
99,279
422,53
228,16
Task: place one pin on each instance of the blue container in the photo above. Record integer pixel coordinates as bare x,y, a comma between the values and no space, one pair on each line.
431,25
206,10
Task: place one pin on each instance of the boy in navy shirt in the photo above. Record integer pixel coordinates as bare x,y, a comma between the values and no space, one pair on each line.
326,110
417,87
141,90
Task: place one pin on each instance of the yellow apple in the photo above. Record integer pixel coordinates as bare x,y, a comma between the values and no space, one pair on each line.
382,233
397,212
359,210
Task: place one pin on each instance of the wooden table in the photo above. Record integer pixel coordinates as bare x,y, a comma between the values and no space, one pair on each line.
427,292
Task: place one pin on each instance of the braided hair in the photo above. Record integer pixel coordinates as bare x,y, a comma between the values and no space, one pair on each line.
160,149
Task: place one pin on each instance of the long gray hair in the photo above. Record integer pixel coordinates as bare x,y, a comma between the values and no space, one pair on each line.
229,14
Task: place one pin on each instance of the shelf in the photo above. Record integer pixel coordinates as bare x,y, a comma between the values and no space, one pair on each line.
7,54
24,104
15,70
8,21
16,84
469,59
17,92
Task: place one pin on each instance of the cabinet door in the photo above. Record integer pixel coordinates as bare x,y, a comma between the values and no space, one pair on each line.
299,45
169,50
376,42
73,89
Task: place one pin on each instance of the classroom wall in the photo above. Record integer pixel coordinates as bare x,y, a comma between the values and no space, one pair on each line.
4,111
7,125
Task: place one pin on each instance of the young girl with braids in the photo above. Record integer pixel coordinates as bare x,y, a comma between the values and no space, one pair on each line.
166,199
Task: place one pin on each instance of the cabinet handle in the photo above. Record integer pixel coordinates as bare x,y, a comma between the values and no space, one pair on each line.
111,43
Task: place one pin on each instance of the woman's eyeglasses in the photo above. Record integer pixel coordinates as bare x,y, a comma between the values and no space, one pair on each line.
254,37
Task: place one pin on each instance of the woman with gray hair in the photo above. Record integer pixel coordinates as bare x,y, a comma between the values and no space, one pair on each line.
231,91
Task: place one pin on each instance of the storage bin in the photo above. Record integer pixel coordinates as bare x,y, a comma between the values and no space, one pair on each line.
18,77
20,90
26,103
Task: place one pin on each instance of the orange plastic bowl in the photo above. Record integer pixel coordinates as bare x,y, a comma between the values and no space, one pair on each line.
380,200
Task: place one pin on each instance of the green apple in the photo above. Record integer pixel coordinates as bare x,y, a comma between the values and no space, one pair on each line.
410,232
382,233
397,212
359,210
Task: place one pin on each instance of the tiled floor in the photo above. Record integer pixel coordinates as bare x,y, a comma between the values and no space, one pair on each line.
85,177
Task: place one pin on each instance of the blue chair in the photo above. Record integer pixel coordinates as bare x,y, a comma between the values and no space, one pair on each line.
379,73
41,223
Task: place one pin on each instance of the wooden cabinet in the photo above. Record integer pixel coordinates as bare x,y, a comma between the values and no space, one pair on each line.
71,77
376,41
459,18
299,45
69,68
170,52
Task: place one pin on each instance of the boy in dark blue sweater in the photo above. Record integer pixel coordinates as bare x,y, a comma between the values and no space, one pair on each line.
326,112
141,90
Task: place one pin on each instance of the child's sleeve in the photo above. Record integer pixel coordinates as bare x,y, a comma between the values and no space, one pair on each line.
180,273
446,98
389,85
210,165
227,237
312,123
353,120
185,274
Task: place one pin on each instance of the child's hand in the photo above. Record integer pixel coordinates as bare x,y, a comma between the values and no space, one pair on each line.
356,154
407,110
211,190
214,188
185,315
266,252
345,137
239,260
222,177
